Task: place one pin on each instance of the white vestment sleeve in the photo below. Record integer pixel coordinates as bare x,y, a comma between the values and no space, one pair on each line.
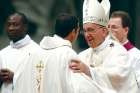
116,72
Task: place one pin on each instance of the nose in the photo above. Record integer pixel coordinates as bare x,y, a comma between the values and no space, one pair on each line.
109,29
89,36
11,28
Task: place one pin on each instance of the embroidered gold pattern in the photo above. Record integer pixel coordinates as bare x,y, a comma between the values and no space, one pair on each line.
39,68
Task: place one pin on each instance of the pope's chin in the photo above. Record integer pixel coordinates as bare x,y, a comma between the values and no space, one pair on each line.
93,44
90,43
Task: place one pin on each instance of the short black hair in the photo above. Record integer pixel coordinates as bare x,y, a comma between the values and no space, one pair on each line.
23,17
65,23
126,20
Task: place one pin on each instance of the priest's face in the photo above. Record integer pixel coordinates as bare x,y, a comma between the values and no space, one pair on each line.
15,28
94,34
117,29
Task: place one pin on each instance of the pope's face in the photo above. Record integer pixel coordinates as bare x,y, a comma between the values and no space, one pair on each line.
94,34
115,26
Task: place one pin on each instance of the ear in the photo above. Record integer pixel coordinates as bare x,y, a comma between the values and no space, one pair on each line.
25,28
105,31
70,37
126,30
73,33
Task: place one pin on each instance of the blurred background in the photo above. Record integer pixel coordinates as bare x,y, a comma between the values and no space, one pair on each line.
42,15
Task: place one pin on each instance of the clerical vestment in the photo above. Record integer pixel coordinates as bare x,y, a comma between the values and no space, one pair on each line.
57,75
16,57
134,55
110,69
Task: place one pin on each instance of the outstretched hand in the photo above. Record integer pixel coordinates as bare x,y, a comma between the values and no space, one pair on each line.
79,67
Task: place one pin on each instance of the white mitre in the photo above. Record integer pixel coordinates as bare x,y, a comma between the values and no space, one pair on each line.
96,12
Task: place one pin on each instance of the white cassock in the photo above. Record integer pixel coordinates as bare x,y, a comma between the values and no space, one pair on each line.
30,79
16,57
134,55
110,69
57,75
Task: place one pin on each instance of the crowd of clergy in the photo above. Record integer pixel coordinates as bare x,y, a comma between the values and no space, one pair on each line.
111,64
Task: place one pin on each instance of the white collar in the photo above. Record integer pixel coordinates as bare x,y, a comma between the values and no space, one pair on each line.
125,42
102,45
54,42
21,42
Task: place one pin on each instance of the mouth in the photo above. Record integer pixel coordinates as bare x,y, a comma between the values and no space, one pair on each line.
89,39
11,34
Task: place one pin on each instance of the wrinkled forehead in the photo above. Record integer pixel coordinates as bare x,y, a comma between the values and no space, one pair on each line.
115,21
93,25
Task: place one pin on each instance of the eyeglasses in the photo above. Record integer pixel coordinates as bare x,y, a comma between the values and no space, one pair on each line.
114,27
94,30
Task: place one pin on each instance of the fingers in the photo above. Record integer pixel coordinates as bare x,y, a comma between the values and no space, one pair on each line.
4,70
6,75
3,76
79,67
76,71
75,61
75,66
